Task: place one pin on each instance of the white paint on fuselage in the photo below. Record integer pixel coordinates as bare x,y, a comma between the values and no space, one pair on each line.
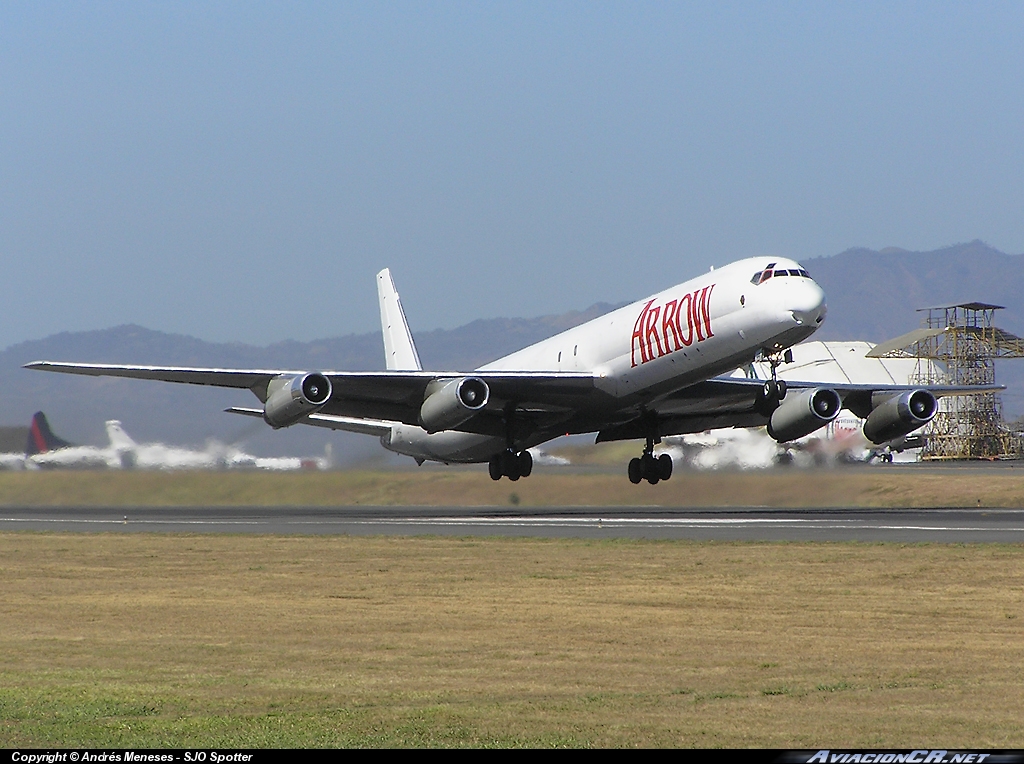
771,315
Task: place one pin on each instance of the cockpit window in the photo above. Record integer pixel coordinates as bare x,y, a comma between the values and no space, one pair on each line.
762,276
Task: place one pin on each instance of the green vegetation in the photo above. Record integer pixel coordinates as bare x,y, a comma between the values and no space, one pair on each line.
176,640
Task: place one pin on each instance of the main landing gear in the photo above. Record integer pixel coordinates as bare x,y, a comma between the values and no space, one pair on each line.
511,465
649,467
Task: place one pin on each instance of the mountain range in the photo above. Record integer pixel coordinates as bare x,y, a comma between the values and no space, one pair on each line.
872,295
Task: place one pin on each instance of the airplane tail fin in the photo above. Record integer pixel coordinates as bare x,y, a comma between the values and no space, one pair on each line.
399,349
119,439
41,438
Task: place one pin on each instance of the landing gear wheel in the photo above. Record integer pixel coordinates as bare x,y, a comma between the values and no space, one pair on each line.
649,467
511,465
651,471
525,463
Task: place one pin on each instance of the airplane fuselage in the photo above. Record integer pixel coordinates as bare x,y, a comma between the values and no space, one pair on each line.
691,332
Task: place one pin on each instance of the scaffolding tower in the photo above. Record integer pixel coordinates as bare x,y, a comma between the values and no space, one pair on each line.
964,340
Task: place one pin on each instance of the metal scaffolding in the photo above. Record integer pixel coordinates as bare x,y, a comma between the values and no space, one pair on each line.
965,341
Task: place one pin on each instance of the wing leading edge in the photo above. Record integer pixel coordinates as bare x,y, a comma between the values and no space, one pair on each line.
382,395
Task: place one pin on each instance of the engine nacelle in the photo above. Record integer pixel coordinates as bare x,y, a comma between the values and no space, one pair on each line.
452,404
899,415
289,399
802,414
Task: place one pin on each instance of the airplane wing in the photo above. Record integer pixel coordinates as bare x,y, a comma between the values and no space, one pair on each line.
731,402
369,402
393,396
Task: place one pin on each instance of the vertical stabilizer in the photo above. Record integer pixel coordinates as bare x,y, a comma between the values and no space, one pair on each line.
41,438
119,439
399,349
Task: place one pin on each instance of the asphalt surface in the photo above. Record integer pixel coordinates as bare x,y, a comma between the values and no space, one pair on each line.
758,524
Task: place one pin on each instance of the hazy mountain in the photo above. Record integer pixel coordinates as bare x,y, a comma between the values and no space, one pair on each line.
871,295
77,407
874,295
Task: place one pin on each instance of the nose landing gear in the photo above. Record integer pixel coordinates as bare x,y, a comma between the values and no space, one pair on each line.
511,465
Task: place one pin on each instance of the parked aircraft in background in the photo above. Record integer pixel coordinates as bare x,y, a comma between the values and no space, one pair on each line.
842,441
45,450
648,370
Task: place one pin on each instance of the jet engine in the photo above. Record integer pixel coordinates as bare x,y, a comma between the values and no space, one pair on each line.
453,403
289,399
802,414
899,415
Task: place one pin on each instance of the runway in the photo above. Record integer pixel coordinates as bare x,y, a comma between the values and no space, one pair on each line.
894,525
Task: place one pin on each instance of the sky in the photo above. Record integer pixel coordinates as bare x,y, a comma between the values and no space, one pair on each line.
240,171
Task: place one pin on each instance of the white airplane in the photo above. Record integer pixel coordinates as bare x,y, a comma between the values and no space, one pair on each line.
648,370
46,451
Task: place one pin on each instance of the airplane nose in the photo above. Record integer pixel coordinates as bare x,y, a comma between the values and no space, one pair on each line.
806,301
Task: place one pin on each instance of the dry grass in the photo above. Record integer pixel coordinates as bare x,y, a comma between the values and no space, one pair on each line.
156,640
918,486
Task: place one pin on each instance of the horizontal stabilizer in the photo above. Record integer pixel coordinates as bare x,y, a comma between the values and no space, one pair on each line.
348,424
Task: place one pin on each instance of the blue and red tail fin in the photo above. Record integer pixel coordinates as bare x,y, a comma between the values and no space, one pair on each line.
41,438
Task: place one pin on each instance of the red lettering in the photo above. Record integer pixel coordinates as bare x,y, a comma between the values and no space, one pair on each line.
705,309
648,336
695,315
638,336
668,324
687,340
652,332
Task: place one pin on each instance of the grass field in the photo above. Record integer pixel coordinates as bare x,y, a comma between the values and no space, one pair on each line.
176,640
917,486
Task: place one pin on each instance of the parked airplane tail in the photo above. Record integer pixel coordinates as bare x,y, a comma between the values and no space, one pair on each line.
41,438
119,439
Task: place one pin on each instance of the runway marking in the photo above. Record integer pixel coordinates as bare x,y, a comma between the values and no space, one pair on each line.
538,522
